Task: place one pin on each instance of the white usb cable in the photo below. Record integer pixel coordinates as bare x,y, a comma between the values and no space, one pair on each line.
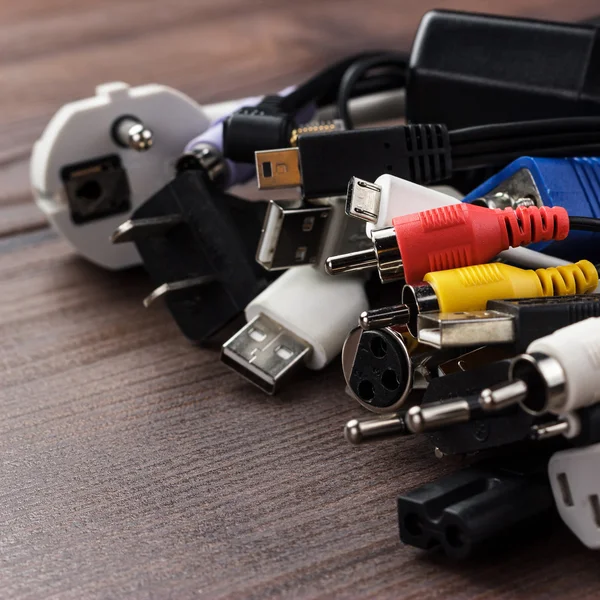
300,319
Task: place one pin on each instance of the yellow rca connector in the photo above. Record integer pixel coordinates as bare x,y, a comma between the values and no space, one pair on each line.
470,288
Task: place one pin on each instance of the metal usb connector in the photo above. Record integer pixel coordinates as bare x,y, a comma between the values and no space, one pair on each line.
516,322
295,236
470,328
292,236
363,200
277,169
265,353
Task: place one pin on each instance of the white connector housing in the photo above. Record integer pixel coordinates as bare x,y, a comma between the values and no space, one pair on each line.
81,131
400,197
577,349
317,308
575,480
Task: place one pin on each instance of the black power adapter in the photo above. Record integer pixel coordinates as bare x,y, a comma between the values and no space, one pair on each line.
478,508
472,69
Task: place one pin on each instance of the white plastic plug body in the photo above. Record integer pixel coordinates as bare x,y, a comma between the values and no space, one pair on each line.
317,308
82,131
575,479
400,197
577,349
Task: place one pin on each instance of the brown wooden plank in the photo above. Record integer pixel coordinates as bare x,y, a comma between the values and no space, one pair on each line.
57,51
134,464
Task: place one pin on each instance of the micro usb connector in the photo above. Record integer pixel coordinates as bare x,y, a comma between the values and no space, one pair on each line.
388,197
363,200
264,353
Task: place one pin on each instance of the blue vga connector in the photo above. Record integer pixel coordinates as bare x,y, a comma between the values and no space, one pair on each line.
573,183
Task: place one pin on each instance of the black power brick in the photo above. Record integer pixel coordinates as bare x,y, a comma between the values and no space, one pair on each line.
472,69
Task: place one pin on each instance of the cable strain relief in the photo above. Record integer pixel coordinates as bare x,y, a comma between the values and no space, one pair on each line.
430,159
531,224
579,278
255,128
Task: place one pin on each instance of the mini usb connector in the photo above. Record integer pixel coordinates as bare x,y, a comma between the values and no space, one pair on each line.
265,353
277,169
324,162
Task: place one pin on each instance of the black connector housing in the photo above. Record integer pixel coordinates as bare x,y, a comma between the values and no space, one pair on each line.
381,373
419,153
483,431
217,237
472,69
589,419
96,189
260,127
473,510
537,317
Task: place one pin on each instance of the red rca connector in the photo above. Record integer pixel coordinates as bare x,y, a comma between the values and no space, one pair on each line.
457,235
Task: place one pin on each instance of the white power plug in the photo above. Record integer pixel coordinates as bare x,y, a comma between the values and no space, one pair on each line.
575,480
87,179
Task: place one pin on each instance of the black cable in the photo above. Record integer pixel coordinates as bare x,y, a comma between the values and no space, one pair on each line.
270,123
526,145
502,159
584,224
592,21
371,85
524,129
394,60
321,83
501,143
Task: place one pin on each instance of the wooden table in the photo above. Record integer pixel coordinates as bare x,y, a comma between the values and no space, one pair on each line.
135,465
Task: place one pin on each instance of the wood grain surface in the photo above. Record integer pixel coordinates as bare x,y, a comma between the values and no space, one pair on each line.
135,465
